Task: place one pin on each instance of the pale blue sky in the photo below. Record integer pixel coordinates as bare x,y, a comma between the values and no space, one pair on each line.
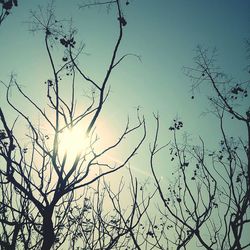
164,33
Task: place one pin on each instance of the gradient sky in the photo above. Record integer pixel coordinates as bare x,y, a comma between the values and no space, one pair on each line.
164,33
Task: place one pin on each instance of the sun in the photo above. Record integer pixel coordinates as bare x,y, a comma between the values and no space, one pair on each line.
72,142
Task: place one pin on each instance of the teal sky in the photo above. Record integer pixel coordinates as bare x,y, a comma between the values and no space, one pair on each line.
164,33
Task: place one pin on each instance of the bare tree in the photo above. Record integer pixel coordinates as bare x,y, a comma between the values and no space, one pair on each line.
209,200
42,176
6,7
118,227
52,200
14,218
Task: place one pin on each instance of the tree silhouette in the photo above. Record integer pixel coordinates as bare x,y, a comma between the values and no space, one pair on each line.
6,7
56,196
209,199
46,195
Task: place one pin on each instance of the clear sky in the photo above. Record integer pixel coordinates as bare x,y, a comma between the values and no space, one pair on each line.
164,33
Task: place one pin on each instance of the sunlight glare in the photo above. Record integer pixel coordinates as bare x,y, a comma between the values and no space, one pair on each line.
72,142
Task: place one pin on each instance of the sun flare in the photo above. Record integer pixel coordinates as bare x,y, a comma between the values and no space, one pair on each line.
72,142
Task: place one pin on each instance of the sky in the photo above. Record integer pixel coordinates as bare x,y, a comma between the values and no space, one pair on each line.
164,33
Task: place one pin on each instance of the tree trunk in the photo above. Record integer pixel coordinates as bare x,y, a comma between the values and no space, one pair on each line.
48,231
